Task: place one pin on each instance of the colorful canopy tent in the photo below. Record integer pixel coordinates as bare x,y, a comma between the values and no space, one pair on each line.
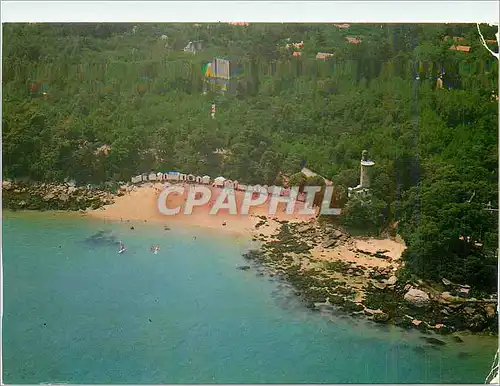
39,88
219,75
222,69
207,70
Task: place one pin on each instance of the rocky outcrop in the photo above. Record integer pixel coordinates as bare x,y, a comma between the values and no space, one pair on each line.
385,297
381,317
417,298
45,196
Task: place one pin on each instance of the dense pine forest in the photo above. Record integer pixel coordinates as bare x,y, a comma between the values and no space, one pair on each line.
69,89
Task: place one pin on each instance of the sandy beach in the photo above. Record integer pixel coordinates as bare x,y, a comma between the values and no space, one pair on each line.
141,204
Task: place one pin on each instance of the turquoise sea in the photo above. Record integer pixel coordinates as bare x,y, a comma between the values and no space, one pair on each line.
74,311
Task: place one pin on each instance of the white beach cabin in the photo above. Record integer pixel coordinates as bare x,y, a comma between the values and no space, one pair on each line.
273,190
205,180
173,176
219,181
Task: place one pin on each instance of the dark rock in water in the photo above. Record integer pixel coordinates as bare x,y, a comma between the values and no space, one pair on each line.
434,341
457,339
132,227
260,274
463,355
350,306
325,307
253,255
419,349
102,238
243,267
381,318
403,323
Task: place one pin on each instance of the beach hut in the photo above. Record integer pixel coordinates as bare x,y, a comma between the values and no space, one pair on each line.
241,187
159,176
173,176
205,180
152,176
190,178
219,181
272,189
136,179
229,184
198,180
182,177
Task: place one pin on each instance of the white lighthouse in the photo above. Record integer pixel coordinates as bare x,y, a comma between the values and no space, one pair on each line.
364,179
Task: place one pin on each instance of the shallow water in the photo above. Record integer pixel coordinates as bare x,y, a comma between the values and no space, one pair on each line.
77,312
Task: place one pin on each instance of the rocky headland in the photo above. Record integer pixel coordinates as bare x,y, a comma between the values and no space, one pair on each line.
372,285
47,196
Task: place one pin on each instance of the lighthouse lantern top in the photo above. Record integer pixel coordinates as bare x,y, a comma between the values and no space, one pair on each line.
364,159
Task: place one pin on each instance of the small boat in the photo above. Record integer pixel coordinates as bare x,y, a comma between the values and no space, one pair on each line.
156,248
122,248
